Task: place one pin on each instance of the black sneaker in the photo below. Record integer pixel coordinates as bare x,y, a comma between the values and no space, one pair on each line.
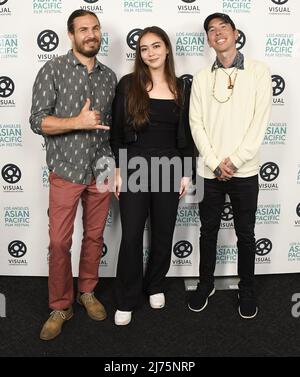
247,303
199,298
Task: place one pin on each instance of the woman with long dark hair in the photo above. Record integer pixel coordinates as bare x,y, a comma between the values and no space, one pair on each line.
150,121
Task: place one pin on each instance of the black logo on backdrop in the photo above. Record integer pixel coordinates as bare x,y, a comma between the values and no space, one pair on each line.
132,38
17,249
91,1
7,86
104,250
187,78
182,249
279,2
263,247
11,173
298,210
188,1
269,171
3,2
278,85
47,40
227,213
241,40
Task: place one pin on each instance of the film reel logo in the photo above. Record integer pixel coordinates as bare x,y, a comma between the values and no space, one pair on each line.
269,171
11,173
132,38
227,212
279,2
241,40
17,249
7,86
278,85
47,40
182,249
263,247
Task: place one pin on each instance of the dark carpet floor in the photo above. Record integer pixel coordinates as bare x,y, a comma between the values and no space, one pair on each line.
173,331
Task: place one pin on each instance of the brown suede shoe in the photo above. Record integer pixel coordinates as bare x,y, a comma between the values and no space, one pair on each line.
94,308
53,325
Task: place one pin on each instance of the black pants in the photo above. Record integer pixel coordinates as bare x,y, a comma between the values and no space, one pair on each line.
243,193
134,210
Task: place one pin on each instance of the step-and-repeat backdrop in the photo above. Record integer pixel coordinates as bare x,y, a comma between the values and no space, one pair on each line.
34,31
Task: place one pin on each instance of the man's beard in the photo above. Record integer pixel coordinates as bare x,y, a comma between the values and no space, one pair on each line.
88,53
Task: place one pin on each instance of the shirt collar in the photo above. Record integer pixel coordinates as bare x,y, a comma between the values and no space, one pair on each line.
238,62
74,61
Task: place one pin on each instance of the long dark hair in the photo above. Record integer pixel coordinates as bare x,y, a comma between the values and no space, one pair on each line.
138,98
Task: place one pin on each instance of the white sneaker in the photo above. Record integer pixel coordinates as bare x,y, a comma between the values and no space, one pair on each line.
122,318
157,301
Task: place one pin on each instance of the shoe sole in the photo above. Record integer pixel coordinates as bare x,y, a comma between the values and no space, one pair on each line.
205,305
157,306
54,336
122,323
248,317
91,316
244,316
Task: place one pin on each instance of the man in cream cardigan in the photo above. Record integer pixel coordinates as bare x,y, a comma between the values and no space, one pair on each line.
229,112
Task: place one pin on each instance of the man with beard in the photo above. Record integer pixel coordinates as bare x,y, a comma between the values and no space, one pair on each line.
71,109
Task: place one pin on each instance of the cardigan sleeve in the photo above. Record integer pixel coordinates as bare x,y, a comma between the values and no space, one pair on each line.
186,144
118,120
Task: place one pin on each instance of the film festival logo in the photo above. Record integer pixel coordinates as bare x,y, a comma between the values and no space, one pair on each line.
278,86
276,134
16,216
294,252
188,7
92,6
280,8
190,43
188,215
7,88
8,46
104,46
47,41
10,135
227,216
47,7
269,172
11,174
131,40
263,247
182,250
226,254
268,214
237,6
138,6
280,45
17,249
4,9
241,40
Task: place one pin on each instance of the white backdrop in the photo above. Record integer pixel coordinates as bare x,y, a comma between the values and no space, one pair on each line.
34,31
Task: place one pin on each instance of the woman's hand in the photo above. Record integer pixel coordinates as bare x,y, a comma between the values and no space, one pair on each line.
184,185
117,183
